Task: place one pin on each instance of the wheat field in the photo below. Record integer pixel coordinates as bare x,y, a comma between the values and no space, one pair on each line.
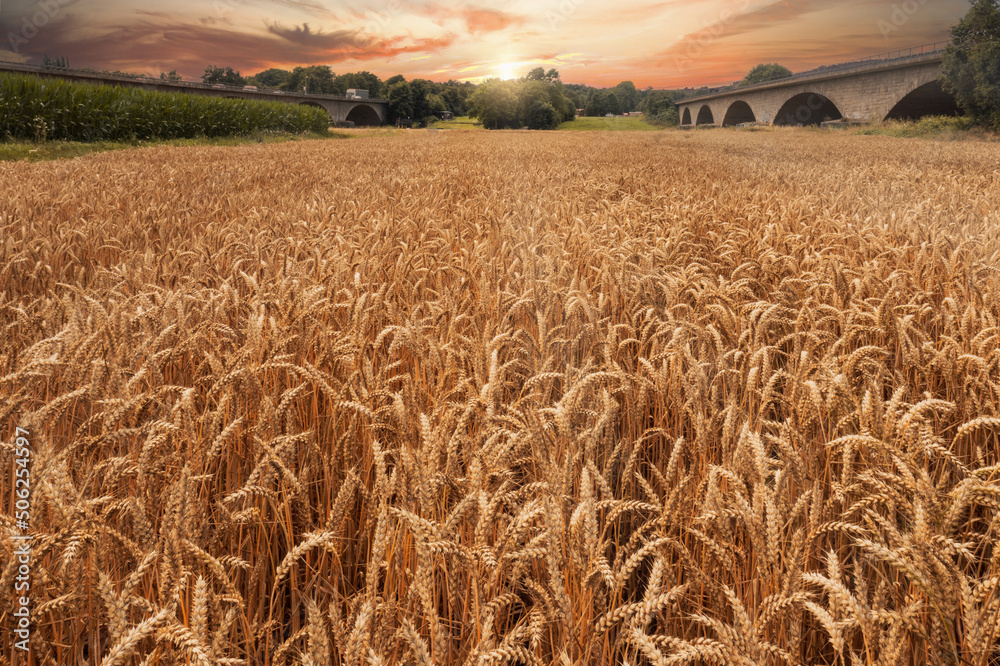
507,398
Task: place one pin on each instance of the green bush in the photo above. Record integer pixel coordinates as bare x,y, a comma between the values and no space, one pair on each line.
37,108
667,118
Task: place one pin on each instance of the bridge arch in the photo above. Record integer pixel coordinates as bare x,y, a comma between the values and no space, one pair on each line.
363,115
738,112
686,118
807,108
705,116
930,99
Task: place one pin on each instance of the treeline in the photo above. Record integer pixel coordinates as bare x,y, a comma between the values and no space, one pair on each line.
658,106
418,101
541,101
40,109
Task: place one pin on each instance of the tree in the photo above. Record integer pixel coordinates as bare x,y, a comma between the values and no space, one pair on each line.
602,103
421,89
537,74
171,76
226,75
359,80
317,79
536,110
454,99
541,115
971,67
494,103
765,73
656,102
271,78
437,104
400,101
628,96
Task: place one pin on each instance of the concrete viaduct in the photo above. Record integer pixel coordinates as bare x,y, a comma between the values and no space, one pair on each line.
341,109
904,85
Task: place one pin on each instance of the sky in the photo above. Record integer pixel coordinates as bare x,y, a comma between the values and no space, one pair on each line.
657,43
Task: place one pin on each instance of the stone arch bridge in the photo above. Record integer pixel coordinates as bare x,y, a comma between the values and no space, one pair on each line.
341,109
903,86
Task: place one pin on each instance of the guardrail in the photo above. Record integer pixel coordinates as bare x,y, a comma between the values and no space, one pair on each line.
892,56
197,85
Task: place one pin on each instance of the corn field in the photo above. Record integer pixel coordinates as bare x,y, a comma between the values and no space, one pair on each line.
37,108
513,398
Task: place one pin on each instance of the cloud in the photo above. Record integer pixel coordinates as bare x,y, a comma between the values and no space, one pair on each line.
150,45
310,39
479,20
652,42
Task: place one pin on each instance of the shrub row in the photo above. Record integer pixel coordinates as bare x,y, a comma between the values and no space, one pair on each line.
32,107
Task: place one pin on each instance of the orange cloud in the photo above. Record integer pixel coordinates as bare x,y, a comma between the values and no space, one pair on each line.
489,20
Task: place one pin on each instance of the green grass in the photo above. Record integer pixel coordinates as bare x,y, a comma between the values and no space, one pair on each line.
27,151
460,122
630,124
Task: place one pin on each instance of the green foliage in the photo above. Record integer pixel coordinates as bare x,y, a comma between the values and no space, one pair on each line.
540,115
627,95
270,78
764,73
171,76
971,68
657,102
603,102
539,74
226,76
436,104
31,107
317,79
400,98
666,118
359,80
538,101
421,88
495,104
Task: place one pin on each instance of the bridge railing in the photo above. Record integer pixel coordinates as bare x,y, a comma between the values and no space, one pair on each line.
861,63
198,85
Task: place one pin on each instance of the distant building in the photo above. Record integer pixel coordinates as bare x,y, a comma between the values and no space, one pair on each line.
581,112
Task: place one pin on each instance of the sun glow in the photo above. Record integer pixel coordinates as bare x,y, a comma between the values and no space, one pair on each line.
508,71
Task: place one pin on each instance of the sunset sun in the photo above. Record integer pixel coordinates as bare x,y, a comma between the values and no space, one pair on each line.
507,71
